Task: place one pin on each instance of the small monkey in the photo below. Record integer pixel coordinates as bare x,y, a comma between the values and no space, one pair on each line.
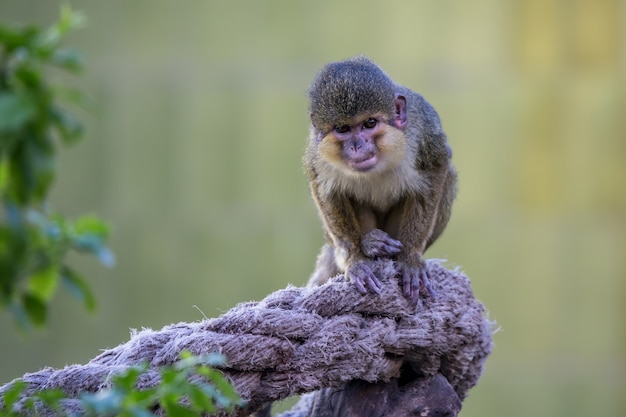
380,173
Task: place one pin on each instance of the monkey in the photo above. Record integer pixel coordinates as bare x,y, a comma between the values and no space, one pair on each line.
380,174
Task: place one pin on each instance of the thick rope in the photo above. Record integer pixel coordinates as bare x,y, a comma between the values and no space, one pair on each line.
299,340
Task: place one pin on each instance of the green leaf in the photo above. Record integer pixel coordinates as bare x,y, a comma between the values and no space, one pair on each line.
4,174
223,385
69,128
104,402
42,165
13,394
50,39
31,172
177,410
91,225
127,379
137,412
35,309
16,109
70,19
32,79
213,359
44,283
76,285
70,59
51,397
200,400
144,398
15,38
171,376
106,256
95,245
8,140
20,315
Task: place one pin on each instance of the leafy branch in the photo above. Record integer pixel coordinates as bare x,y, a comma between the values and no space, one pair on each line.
191,387
33,122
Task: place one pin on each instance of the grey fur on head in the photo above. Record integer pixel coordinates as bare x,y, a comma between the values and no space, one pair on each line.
345,89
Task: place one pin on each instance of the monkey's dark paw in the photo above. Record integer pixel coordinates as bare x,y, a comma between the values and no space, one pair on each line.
362,275
377,243
415,281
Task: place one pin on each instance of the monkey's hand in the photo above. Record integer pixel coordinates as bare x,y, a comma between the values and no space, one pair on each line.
377,243
415,281
362,275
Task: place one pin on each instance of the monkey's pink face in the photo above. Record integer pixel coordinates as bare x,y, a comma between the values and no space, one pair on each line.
366,143
357,142
372,145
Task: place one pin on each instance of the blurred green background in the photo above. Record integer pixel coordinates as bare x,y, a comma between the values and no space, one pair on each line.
193,155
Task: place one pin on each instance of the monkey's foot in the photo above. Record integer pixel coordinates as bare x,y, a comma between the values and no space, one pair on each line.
415,281
362,275
377,243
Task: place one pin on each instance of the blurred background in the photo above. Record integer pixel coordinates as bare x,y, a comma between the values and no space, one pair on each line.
193,154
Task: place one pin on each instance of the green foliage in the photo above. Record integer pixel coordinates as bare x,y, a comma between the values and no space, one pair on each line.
34,242
176,394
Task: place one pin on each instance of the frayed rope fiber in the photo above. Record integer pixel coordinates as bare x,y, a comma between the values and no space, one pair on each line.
299,340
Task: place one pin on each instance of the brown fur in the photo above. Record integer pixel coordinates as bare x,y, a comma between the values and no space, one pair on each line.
408,194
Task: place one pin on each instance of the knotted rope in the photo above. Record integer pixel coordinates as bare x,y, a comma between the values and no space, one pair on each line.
299,340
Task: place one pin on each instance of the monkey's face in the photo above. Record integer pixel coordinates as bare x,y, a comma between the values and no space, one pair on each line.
369,143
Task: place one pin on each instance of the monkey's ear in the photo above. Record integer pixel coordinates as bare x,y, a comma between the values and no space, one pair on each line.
400,113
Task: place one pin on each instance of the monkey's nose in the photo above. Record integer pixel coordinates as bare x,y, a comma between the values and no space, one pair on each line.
355,145
358,143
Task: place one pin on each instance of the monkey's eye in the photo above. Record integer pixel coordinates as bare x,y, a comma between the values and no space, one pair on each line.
342,129
370,123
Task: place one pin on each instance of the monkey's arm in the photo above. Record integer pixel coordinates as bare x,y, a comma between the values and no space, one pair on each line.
377,243
423,216
343,226
445,205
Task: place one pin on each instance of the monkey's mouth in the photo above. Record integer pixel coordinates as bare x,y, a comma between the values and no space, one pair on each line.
364,164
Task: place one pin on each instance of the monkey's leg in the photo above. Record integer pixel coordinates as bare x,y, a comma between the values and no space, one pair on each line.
343,227
325,267
414,220
444,208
